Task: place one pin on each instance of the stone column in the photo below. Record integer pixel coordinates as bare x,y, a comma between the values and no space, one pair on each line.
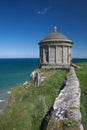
63,54
59,54
55,54
44,55
49,54
69,54
41,55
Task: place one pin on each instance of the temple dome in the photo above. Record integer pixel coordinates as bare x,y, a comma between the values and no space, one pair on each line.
55,36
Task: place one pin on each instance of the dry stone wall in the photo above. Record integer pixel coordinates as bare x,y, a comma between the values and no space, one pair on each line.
66,113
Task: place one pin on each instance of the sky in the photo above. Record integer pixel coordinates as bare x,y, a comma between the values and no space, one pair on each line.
24,23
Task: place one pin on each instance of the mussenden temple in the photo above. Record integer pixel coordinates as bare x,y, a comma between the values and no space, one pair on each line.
55,51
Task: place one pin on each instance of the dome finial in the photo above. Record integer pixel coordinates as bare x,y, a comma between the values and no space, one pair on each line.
55,29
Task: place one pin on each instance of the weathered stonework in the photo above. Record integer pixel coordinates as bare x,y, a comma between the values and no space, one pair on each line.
66,109
55,51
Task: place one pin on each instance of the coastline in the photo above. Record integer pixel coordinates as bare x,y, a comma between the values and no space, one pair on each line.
4,100
5,92
14,72
21,103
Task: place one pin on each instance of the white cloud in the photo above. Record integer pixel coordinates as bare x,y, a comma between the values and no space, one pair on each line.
44,11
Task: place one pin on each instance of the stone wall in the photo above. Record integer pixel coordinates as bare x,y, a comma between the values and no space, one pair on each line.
66,113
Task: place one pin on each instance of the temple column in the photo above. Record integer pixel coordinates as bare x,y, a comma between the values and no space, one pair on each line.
44,55
63,54
41,54
69,54
56,54
49,54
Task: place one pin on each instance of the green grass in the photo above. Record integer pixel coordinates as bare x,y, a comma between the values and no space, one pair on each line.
82,75
27,108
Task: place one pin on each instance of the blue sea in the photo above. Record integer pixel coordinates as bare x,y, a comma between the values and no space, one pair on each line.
14,72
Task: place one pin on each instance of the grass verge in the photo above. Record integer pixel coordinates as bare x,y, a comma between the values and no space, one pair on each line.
82,75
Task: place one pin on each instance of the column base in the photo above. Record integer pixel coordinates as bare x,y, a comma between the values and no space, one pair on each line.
56,66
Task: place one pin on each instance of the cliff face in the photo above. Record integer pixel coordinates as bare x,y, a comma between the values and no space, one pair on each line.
66,109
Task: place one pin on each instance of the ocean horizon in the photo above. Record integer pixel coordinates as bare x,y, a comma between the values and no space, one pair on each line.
15,71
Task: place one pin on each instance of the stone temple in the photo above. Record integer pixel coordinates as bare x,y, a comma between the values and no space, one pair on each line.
55,51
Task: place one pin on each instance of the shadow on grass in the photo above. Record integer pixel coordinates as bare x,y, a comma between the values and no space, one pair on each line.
46,119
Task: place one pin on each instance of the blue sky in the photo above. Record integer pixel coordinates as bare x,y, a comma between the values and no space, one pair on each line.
23,23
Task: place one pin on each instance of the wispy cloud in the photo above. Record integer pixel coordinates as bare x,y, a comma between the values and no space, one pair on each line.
44,11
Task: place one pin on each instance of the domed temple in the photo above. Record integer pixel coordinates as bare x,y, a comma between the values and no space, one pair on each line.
55,51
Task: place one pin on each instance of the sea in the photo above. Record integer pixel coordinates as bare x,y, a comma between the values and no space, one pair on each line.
14,72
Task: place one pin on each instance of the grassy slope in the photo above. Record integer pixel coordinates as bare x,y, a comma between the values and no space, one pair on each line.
82,75
28,107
